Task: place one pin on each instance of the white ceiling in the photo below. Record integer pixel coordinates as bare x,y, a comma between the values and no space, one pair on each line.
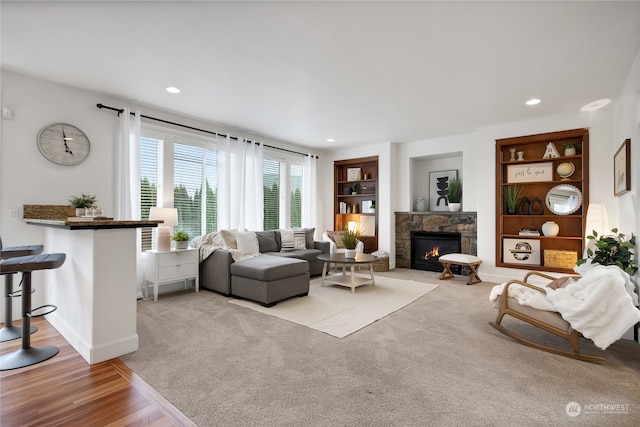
359,72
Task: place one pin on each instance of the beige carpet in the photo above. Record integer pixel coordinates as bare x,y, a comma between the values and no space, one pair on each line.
336,311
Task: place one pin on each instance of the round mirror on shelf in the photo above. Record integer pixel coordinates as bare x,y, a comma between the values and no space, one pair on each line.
563,199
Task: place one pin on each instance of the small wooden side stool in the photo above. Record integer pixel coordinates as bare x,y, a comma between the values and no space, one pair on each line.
473,262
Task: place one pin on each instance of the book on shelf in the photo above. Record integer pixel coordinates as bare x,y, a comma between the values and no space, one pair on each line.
529,232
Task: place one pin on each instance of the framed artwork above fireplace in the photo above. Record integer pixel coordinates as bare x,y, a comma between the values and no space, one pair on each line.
439,188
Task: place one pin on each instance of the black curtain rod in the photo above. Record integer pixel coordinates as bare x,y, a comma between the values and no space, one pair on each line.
235,138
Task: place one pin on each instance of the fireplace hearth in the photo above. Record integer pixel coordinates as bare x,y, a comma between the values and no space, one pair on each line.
427,247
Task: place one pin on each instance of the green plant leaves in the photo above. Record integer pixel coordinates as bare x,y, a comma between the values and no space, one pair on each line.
613,249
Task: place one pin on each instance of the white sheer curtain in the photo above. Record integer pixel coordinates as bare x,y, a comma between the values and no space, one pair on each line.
240,191
309,192
127,183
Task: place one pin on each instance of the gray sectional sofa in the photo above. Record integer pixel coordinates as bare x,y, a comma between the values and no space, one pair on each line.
273,276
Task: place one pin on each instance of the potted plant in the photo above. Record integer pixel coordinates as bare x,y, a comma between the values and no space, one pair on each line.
454,195
181,238
511,195
613,249
569,149
350,241
82,202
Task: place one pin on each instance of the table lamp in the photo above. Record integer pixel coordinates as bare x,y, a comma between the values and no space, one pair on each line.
170,218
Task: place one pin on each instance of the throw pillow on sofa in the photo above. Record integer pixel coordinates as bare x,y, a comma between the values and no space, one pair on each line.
293,239
267,241
247,242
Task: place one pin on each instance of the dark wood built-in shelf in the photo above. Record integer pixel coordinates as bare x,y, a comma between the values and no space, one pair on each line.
572,234
367,191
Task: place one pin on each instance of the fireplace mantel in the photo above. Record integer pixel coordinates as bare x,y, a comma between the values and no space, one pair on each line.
465,223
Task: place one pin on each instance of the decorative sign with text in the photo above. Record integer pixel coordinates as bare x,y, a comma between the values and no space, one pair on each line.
531,172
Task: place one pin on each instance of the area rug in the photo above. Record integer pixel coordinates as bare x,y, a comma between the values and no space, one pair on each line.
336,311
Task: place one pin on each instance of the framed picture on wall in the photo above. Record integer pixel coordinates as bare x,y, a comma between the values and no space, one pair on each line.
439,188
622,169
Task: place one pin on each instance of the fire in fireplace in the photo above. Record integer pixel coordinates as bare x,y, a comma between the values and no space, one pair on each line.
427,247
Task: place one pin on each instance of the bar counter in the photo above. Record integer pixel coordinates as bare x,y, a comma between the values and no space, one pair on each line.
95,290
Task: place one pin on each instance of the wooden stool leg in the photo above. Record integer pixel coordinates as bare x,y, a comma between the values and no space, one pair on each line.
474,278
446,273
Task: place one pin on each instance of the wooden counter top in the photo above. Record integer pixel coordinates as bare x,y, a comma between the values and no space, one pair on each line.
91,224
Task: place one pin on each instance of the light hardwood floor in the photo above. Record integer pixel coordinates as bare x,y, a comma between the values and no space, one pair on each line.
66,390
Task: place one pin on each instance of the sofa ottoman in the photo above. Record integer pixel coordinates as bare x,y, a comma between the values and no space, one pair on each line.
269,279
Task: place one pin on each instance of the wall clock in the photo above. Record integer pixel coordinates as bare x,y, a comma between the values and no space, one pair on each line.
63,144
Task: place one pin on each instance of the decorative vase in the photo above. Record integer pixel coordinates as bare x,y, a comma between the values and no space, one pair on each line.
570,151
349,253
511,211
550,228
454,207
513,154
79,211
520,156
421,204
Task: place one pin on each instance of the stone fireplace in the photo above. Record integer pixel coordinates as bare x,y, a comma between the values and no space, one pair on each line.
464,223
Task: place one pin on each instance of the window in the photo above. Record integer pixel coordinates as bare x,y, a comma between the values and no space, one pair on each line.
149,148
271,184
296,195
180,169
194,188
282,180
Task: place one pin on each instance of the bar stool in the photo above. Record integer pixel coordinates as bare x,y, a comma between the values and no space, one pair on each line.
9,332
28,355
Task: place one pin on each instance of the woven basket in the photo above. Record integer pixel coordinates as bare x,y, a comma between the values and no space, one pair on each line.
381,265
560,259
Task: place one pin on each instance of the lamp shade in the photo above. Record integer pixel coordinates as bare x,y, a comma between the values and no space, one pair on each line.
168,215
597,219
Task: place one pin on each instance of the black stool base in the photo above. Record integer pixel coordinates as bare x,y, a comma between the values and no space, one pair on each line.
27,357
8,333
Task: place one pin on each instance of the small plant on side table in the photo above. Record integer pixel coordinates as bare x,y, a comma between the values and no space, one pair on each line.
181,238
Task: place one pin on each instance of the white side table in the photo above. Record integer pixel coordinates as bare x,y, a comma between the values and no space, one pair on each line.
163,267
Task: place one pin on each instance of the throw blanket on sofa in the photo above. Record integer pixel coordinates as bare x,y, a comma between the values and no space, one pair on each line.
208,244
601,304
211,242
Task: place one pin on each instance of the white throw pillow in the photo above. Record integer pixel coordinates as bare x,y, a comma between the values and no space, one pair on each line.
247,242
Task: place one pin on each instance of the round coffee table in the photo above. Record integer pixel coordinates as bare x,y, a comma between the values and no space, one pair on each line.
351,281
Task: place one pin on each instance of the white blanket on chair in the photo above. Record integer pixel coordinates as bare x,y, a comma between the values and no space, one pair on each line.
601,304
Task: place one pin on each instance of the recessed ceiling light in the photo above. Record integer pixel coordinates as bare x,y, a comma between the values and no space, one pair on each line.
331,140
172,89
533,101
596,105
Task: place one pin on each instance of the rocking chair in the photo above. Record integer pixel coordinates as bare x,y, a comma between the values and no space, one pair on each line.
550,321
